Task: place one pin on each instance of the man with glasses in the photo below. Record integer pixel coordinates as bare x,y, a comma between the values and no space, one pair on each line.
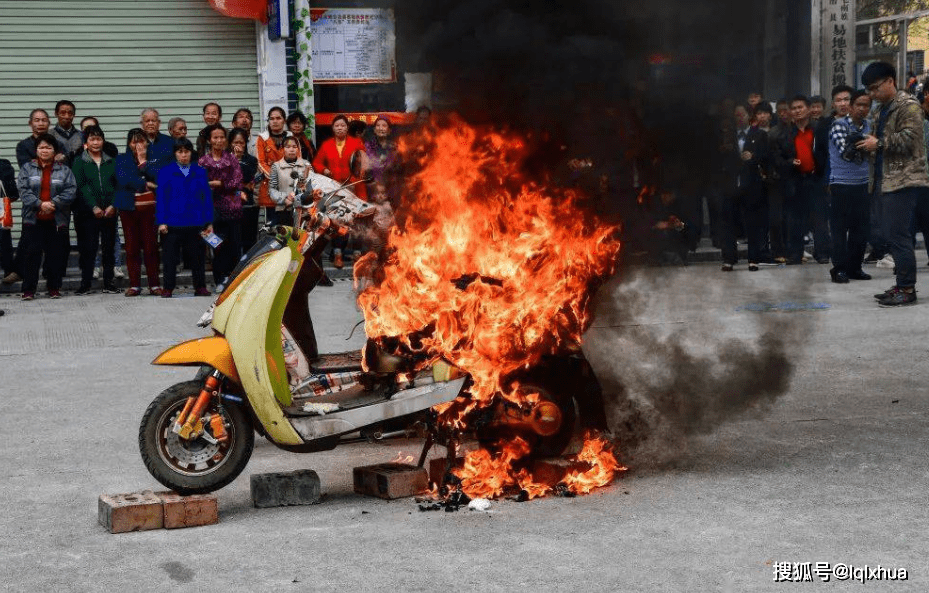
899,149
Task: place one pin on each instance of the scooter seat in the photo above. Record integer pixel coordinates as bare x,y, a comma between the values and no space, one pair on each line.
337,362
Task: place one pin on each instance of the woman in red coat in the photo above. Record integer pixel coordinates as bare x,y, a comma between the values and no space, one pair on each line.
333,157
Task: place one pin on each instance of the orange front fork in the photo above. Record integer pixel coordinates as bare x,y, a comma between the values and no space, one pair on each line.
188,424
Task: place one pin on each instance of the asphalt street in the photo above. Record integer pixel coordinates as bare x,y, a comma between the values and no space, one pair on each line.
766,417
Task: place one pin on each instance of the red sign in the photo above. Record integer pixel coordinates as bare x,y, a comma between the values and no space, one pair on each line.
394,117
256,10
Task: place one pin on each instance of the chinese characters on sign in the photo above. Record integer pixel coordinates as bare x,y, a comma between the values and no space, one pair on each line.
838,52
353,45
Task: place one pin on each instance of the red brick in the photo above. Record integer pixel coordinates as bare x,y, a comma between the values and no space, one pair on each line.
390,480
136,511
189,511
437,468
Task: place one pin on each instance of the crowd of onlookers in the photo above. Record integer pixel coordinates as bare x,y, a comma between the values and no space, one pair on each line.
803,181
799,180
173,197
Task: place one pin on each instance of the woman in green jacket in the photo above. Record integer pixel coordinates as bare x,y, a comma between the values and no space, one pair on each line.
95,174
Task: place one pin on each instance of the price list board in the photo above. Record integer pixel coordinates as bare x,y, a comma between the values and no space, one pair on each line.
353,45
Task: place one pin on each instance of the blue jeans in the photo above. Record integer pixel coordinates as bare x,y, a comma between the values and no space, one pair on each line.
897,209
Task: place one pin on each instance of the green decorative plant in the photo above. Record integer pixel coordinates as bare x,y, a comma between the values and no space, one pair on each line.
303,78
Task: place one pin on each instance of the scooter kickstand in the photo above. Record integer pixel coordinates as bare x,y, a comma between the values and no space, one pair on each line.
426,446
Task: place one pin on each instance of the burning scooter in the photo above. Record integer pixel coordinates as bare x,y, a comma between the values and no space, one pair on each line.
197,436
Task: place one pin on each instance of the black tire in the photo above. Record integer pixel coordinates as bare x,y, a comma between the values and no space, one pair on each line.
197,467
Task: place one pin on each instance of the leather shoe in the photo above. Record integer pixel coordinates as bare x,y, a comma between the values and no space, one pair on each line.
859,275
840,277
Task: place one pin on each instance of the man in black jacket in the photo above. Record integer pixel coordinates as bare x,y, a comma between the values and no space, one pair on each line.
744,161
796,165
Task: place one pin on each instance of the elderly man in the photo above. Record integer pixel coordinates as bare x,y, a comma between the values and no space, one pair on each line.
160,146
898,145
25,149
177,127
68,136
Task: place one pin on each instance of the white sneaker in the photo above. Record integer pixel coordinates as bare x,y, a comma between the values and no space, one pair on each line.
118,272
97,273
887,262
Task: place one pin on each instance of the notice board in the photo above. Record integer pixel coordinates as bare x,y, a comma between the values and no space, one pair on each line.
353,45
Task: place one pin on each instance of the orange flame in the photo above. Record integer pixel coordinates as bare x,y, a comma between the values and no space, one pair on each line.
484,475
401,458
491,271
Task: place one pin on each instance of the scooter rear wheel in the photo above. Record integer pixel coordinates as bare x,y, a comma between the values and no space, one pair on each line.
197,466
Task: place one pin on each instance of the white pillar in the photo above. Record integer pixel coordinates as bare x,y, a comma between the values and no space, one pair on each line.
272,75
817,41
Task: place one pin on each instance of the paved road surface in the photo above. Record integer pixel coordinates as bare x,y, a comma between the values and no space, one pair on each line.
834,469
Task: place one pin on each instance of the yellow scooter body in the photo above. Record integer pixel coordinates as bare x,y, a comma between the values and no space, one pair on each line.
250,318
248,347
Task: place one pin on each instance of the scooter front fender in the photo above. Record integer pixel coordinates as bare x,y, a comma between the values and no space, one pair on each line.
214,352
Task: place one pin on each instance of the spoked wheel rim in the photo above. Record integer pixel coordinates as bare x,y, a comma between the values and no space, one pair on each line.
199,457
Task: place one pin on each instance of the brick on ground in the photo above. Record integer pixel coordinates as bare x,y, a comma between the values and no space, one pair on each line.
390,480
136,511
194,510
437,468
285,488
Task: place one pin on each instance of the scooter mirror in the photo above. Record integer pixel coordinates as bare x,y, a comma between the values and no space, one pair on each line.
358,164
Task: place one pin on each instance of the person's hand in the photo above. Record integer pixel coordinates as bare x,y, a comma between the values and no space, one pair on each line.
869,143
59,158
151,185
661,225
327,172
110,212
47,207
162,229
797,162
317,194
289,200
98,212
216,183
242,196
747,156
207,230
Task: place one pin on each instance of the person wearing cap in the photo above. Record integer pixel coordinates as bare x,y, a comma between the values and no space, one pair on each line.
900,173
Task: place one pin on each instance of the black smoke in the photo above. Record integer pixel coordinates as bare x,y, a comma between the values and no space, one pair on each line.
671,373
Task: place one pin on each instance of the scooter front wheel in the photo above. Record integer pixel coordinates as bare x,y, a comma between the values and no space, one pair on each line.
193,466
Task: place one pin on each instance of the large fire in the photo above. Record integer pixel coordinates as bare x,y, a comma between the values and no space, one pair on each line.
491,270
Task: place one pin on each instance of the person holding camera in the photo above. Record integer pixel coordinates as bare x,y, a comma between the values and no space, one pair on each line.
900,174
849,168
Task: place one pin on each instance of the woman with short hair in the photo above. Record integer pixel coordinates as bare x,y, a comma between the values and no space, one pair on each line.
297,123
135,200
46,191
225,175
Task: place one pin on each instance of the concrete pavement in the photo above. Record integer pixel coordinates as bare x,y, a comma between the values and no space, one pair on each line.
830,468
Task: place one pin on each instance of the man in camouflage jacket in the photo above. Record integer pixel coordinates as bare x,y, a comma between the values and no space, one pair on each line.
900,173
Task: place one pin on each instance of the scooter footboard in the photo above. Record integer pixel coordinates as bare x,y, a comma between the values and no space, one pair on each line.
402,403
